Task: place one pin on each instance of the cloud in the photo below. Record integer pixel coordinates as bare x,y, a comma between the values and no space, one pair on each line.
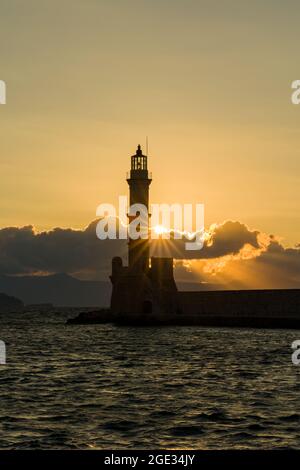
220,240
272,267
77,252
233,256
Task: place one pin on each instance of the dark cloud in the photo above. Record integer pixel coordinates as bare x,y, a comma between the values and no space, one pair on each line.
23,251
82,254
227,238
278,265
275,267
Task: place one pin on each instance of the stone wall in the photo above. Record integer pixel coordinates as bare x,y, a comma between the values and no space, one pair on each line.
266,303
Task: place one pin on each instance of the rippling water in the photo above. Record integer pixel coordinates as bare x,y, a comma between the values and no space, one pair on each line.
101,386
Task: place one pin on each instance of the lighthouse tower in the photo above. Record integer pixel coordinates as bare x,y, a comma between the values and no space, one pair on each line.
138,289
139,181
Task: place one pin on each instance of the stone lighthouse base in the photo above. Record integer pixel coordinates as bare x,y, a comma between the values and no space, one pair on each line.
140,293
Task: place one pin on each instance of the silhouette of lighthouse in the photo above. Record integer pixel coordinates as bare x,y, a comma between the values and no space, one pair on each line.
139,288
139,181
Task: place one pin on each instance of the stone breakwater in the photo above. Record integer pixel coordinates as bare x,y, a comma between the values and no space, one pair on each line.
249,308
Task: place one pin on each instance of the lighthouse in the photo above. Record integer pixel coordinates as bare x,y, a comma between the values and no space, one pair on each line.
139,180
140,289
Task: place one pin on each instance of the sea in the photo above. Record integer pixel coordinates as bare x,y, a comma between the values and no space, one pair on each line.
112,387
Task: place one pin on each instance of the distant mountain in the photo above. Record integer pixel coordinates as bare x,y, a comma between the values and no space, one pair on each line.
57,289
9,304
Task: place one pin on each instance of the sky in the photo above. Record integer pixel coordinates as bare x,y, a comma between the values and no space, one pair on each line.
208,82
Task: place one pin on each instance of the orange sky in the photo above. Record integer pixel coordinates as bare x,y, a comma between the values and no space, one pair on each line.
208,82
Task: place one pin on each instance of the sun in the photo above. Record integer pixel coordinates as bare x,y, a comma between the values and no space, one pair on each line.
159,230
